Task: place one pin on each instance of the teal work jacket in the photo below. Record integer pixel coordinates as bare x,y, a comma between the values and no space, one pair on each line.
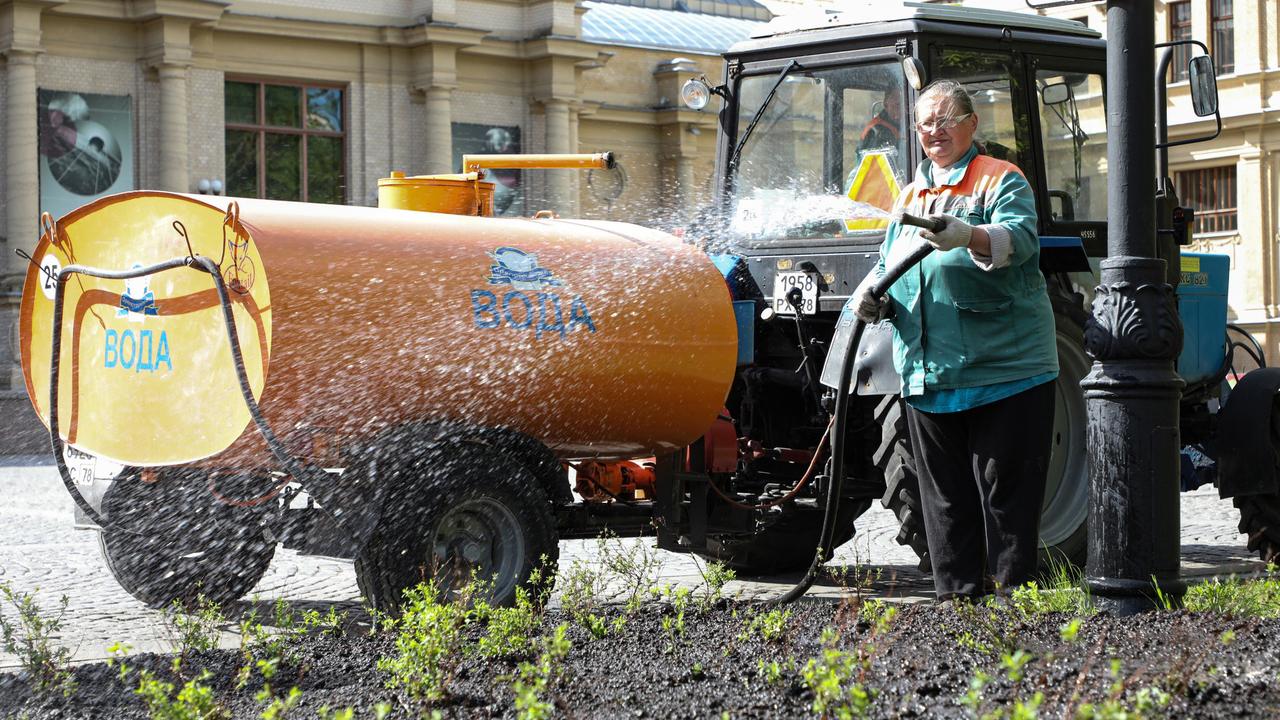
961,320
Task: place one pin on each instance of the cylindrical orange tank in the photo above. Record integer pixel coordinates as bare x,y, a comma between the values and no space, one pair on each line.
600,339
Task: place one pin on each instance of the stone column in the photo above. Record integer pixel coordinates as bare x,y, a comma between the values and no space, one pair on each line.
1250,35
174,173
439,131
558,181
21,159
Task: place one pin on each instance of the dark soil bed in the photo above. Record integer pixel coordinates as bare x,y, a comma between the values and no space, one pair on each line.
922,665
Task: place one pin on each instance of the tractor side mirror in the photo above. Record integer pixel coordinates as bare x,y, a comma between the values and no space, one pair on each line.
1055,93
1204,85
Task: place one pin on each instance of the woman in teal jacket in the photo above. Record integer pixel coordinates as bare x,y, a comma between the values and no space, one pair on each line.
975,345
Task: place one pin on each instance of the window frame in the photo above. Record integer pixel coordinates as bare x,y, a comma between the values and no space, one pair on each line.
1221,215
261,129
1181,53
1092,233
1216,50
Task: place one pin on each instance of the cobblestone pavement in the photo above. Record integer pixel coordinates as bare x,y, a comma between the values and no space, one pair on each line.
41,553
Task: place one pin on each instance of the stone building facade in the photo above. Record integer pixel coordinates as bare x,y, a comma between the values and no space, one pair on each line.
1233,181
318,99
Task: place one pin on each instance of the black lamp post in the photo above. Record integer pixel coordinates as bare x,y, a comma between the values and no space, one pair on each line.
1134,337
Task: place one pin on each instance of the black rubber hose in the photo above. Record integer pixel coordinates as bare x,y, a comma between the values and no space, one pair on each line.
206,265
836,483
55,362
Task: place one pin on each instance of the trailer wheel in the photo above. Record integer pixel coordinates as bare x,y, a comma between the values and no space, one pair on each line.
1064,513
188,544
457,510
788,544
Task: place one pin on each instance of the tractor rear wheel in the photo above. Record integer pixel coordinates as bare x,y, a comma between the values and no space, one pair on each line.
187,544
1065,510
459,510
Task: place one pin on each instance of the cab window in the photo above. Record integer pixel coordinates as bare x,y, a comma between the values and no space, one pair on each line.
825,155
1073,130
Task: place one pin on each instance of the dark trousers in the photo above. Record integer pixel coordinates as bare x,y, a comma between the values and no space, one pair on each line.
982,476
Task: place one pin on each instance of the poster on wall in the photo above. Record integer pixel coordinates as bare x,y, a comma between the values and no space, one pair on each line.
477,139
86,148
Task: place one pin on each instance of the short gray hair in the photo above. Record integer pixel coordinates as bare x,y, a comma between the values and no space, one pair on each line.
951,90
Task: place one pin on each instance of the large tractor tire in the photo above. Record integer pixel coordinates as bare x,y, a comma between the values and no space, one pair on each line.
454,511
901,484
788,545
173,541
1065,511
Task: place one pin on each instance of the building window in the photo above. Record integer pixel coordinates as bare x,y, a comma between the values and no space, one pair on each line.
1212,193
285,142
1179,29
1223,26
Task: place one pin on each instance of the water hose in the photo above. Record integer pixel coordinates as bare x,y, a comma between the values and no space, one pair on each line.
200,263
836,482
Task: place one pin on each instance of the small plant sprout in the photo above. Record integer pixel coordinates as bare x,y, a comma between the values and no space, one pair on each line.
771,625
1013,664
428,644
535,678
31,636
193,626
831,677
878,614
714,578
673,621
1070,632
193,701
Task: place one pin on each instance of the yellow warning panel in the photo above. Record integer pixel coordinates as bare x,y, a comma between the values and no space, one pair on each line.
873,184
1190,264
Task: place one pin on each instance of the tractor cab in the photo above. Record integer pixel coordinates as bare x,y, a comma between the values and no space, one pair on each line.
817,135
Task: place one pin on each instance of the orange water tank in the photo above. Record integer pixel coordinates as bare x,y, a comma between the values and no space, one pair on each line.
600,339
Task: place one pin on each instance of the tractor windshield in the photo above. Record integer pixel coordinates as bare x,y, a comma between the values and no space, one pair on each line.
826,155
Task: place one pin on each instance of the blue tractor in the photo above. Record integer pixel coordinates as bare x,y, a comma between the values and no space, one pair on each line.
815,141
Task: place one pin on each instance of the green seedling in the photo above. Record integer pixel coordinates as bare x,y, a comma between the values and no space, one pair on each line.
194,701
194,626
428,644
31,637
535,678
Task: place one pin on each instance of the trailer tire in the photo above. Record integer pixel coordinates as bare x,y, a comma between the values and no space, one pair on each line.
451,509
788,544
1064,522
189,544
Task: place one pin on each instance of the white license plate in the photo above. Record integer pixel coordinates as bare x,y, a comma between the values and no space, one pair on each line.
783,283
85,468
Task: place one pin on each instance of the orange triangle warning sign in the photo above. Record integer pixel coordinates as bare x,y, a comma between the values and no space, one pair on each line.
874,184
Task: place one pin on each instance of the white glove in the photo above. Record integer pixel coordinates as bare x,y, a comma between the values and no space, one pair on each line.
869,308
956,234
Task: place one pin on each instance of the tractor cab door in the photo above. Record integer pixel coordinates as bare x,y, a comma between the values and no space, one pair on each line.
1071,133
1044,114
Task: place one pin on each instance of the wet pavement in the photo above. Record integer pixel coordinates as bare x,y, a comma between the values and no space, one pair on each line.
41,553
